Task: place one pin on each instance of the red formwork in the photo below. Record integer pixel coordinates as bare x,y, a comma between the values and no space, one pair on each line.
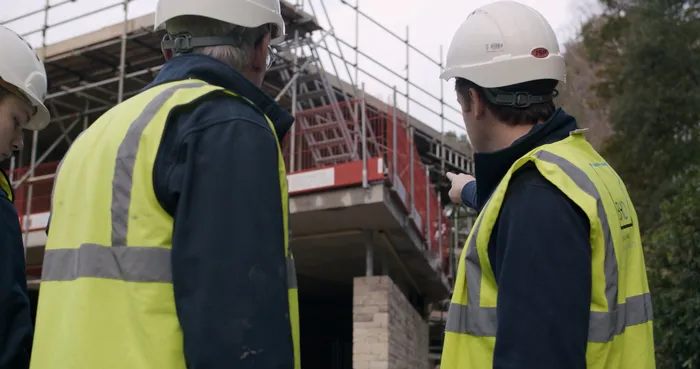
40,193
333,136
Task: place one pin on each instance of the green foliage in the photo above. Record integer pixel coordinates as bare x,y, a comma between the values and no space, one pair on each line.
673,260
453,135
651,82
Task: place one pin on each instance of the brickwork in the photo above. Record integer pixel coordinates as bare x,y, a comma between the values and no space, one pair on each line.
409,340
388,333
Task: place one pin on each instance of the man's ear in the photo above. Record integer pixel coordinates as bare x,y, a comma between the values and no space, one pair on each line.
259,61
478,103
167,53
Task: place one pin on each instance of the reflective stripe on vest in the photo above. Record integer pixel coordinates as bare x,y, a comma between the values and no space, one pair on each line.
620,300
103,255
6,186
130,264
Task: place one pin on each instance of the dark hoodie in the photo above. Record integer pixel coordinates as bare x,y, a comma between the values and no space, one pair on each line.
216,174
540,255
15,316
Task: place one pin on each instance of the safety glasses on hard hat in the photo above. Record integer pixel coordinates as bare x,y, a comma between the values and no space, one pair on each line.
271,57
270,53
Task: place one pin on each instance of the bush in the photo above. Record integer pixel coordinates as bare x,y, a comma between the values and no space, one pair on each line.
673,264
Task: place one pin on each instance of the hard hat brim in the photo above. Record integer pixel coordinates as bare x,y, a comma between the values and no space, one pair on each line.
499,73
41,118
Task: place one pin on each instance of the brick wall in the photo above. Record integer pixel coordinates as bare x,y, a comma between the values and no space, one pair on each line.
388,333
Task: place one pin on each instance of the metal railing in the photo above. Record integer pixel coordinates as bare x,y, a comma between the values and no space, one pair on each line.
412,94
315,145
393,129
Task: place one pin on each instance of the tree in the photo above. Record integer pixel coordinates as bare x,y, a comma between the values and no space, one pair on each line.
650,80
673,256
578,97
460,142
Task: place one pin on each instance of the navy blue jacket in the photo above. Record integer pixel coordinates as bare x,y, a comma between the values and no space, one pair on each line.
541,257
15,317
216,173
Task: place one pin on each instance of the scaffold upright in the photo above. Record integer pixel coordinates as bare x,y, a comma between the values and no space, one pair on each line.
318,75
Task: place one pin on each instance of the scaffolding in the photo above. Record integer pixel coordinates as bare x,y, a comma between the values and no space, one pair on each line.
89,78
319,75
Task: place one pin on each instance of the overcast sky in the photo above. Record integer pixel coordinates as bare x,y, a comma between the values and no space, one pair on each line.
431,24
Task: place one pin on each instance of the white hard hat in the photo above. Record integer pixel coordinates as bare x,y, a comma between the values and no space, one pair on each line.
504,43
245,13
22,68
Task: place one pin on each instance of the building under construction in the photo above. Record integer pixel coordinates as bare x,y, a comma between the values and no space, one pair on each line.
374,245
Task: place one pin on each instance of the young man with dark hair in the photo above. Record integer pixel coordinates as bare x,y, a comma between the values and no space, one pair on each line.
552,275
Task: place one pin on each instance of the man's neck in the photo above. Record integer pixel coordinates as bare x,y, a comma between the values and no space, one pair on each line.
504,135
254,77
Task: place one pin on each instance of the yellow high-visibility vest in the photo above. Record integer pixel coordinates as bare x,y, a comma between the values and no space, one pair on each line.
620,332
6,186
106,296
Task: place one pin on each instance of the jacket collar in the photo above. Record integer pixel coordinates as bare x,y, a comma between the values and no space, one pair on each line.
6,186
491,167
212,71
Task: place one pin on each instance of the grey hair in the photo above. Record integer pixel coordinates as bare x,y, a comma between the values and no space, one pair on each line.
238,56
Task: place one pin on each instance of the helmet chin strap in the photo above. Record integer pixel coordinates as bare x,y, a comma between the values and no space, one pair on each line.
518,100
